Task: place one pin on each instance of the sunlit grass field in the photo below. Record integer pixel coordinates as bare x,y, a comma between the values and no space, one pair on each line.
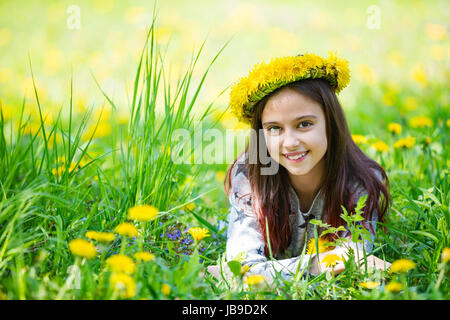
95,205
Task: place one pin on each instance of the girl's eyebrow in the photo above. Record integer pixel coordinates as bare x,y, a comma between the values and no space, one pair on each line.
296,119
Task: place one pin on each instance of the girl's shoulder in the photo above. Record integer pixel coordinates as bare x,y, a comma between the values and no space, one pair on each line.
359,186
240,192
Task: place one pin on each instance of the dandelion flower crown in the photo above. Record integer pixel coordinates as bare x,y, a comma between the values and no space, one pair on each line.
265,78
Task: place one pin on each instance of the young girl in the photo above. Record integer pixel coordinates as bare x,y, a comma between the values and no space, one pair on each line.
300,127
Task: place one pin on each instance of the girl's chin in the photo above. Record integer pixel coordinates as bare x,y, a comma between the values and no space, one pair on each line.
292,169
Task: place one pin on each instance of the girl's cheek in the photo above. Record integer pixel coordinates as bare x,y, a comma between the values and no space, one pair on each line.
273,146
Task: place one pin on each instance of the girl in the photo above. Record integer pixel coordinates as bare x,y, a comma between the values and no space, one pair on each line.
314,167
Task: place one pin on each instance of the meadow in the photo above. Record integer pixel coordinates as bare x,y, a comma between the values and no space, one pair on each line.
97,203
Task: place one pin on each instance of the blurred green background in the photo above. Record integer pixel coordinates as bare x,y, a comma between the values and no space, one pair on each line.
388,44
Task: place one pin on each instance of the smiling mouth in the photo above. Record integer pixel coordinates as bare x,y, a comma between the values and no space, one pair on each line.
298,156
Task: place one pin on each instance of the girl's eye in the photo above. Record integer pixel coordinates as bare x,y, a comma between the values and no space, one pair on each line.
273,129
305,124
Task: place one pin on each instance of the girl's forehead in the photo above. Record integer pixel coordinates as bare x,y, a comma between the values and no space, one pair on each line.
289,104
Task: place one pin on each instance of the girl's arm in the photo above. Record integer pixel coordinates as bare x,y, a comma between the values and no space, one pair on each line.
245,243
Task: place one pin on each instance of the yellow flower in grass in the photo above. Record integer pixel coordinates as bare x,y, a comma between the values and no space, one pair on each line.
126,229
142,213
407,142
82,248
380,146
435,31
144,256
395,128
220,176
410,103
394,286
421,122
198,233
448,122
165,289
311,248
445,256
402,266
124,284
244,269
254,279
359,138
62,168
100,236
331,260
121,264
369,284
190,206
97,131
419,75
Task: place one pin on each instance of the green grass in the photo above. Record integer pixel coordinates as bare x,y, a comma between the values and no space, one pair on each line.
101,177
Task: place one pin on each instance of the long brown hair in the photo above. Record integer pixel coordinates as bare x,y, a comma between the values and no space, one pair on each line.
345,165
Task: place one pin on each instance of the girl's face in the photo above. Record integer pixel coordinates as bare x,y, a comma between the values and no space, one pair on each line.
295,132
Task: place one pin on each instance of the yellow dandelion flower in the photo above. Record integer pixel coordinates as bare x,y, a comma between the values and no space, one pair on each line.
395,128
389,98
144,256
331,260
100,236
165,289
419,74
367,73
190,206
311,248
82,248
124,284
220,176
410,103
369,284
380,146
198,233
436,31
244,269
142,213
394,286
407,142
448,122
62,168
359,138
126,229
254,279
402,266
121,264
445,256
421,122
94,131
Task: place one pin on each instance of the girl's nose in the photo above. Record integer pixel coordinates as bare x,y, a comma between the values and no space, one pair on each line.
291,141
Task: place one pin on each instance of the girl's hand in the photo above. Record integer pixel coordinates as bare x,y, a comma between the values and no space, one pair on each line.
319,267
372,262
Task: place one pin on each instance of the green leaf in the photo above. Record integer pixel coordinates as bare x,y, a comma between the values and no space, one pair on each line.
426,234
235,267
319,223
